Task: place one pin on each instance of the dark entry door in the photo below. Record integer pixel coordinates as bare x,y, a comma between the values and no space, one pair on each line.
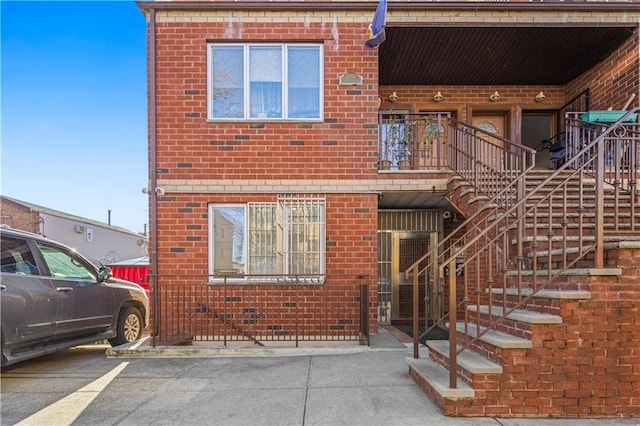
408,247
536,127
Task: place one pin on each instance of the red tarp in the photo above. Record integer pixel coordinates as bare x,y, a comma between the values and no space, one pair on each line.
134,270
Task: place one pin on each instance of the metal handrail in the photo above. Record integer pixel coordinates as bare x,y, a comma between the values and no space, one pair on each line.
503,223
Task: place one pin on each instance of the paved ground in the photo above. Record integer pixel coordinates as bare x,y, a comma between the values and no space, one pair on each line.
347,385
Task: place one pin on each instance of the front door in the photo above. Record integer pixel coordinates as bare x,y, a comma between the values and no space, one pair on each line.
536,128
493,123
407,248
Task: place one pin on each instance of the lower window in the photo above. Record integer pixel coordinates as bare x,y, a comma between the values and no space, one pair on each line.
282,241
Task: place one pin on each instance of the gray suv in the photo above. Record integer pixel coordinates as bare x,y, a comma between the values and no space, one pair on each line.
52,298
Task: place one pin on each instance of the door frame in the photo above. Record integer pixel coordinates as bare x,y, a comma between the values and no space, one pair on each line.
397,276
512,113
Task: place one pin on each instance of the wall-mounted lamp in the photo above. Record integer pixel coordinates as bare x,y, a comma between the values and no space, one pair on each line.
393,97
495,96
438,96
540,96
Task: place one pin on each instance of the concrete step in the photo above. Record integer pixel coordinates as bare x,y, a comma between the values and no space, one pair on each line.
519,315
434,379
586,272
545,294
573,238
495,338
469,360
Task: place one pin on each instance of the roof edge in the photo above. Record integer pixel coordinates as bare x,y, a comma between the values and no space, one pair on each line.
145,6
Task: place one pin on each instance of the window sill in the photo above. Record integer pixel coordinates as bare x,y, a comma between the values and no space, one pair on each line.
320,280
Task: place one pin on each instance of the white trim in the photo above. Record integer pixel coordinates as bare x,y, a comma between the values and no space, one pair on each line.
246,83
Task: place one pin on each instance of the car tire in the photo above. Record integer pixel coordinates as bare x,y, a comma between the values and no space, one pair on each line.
129,327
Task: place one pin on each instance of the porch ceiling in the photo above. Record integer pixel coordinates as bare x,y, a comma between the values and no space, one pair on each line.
413,200
494,55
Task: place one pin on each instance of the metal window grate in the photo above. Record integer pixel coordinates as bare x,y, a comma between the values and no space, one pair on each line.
262,239
302,219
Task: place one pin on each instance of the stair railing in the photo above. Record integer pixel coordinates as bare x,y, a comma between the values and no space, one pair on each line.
486,253
497,168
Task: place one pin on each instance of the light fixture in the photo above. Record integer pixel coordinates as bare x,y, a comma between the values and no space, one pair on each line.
495,96
540,96
438,96
393,97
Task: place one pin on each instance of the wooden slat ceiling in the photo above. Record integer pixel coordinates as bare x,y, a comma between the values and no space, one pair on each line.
493,55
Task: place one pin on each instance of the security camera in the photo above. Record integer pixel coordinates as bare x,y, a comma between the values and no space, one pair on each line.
160,191
446,215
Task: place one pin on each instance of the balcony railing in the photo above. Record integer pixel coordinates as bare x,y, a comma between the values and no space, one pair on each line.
435,141
412,141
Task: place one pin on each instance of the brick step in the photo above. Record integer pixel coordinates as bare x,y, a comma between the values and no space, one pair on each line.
518,315
472,367
612,220
565,249
573,208
544,301
560,250
574,279
518,323
493,343
574,214
433,379
471,362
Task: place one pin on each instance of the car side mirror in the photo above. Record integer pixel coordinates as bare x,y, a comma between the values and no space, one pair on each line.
104,274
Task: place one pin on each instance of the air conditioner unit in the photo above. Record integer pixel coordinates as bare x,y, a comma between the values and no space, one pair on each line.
79,229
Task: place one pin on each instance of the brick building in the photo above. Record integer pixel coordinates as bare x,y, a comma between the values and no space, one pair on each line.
298,176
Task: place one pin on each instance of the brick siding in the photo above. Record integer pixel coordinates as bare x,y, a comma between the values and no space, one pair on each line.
19,217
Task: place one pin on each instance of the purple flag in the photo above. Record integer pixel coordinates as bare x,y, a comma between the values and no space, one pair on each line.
376,29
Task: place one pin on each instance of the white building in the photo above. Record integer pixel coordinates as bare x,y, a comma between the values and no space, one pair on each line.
98,241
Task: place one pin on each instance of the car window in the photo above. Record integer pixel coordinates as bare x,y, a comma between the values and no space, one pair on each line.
65,265
16,257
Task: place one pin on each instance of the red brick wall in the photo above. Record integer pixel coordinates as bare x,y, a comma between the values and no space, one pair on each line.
613,80
351,231
460,99
19,217
340,147
351,225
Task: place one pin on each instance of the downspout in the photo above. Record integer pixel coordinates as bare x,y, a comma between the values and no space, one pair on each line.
153,182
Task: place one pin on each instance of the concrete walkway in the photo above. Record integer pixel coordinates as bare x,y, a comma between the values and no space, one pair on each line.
315,384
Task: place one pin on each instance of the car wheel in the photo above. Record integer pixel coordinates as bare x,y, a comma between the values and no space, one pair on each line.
129,328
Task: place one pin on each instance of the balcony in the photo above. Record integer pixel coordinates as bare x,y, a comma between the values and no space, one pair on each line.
412,141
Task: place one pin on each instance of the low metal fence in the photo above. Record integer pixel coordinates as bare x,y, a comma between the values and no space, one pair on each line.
258,309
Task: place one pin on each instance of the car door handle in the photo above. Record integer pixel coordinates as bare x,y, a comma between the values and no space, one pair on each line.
64,288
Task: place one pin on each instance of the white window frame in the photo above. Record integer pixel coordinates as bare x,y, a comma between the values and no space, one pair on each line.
283,229
246,95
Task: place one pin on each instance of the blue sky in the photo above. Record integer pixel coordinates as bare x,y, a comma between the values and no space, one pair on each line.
74,108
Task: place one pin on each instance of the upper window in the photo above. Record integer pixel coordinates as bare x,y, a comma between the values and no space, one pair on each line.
265,81
280,240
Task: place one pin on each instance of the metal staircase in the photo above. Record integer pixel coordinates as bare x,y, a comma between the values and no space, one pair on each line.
518,272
